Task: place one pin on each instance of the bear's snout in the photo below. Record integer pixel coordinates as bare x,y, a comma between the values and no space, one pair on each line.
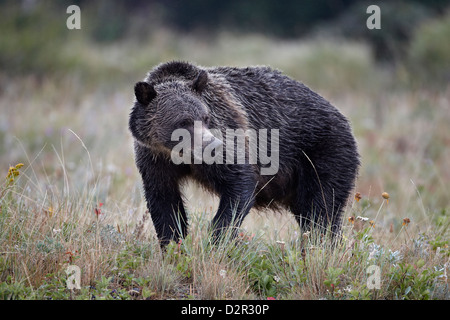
208,139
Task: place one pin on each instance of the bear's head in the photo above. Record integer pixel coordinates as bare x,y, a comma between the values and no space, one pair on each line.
163,108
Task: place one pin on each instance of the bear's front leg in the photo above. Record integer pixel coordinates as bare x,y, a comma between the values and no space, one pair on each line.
167,213
237,196
164,202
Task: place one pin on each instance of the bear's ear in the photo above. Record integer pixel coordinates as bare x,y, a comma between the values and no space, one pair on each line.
201,81
144,92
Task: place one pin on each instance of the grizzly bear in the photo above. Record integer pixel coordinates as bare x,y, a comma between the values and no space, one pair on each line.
253,136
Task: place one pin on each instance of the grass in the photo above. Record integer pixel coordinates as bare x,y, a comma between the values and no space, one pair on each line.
77,200
43,232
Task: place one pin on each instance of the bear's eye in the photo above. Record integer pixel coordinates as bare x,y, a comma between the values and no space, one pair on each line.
184,123
206,120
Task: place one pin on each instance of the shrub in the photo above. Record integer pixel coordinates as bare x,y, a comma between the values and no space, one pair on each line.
429,52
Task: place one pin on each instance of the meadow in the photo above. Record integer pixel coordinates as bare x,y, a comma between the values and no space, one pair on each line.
70,193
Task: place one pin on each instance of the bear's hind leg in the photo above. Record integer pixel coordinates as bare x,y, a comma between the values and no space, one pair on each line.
316,204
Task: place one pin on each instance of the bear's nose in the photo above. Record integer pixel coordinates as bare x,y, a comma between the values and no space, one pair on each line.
210,139
214,143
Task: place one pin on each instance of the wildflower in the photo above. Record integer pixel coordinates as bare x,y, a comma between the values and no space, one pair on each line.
372,223
306,235
13,172
282,244
359,222
351,219
19,165
71,256
406,221
245,237
223,273
50,211
276,278
385,196
97,210
358,196
271,298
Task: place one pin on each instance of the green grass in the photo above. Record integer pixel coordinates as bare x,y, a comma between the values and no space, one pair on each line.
70,132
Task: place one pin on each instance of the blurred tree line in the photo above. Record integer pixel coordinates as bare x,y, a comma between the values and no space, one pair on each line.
22,23
286,19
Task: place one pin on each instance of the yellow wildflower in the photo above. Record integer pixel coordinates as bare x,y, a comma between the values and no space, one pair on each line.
385,195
